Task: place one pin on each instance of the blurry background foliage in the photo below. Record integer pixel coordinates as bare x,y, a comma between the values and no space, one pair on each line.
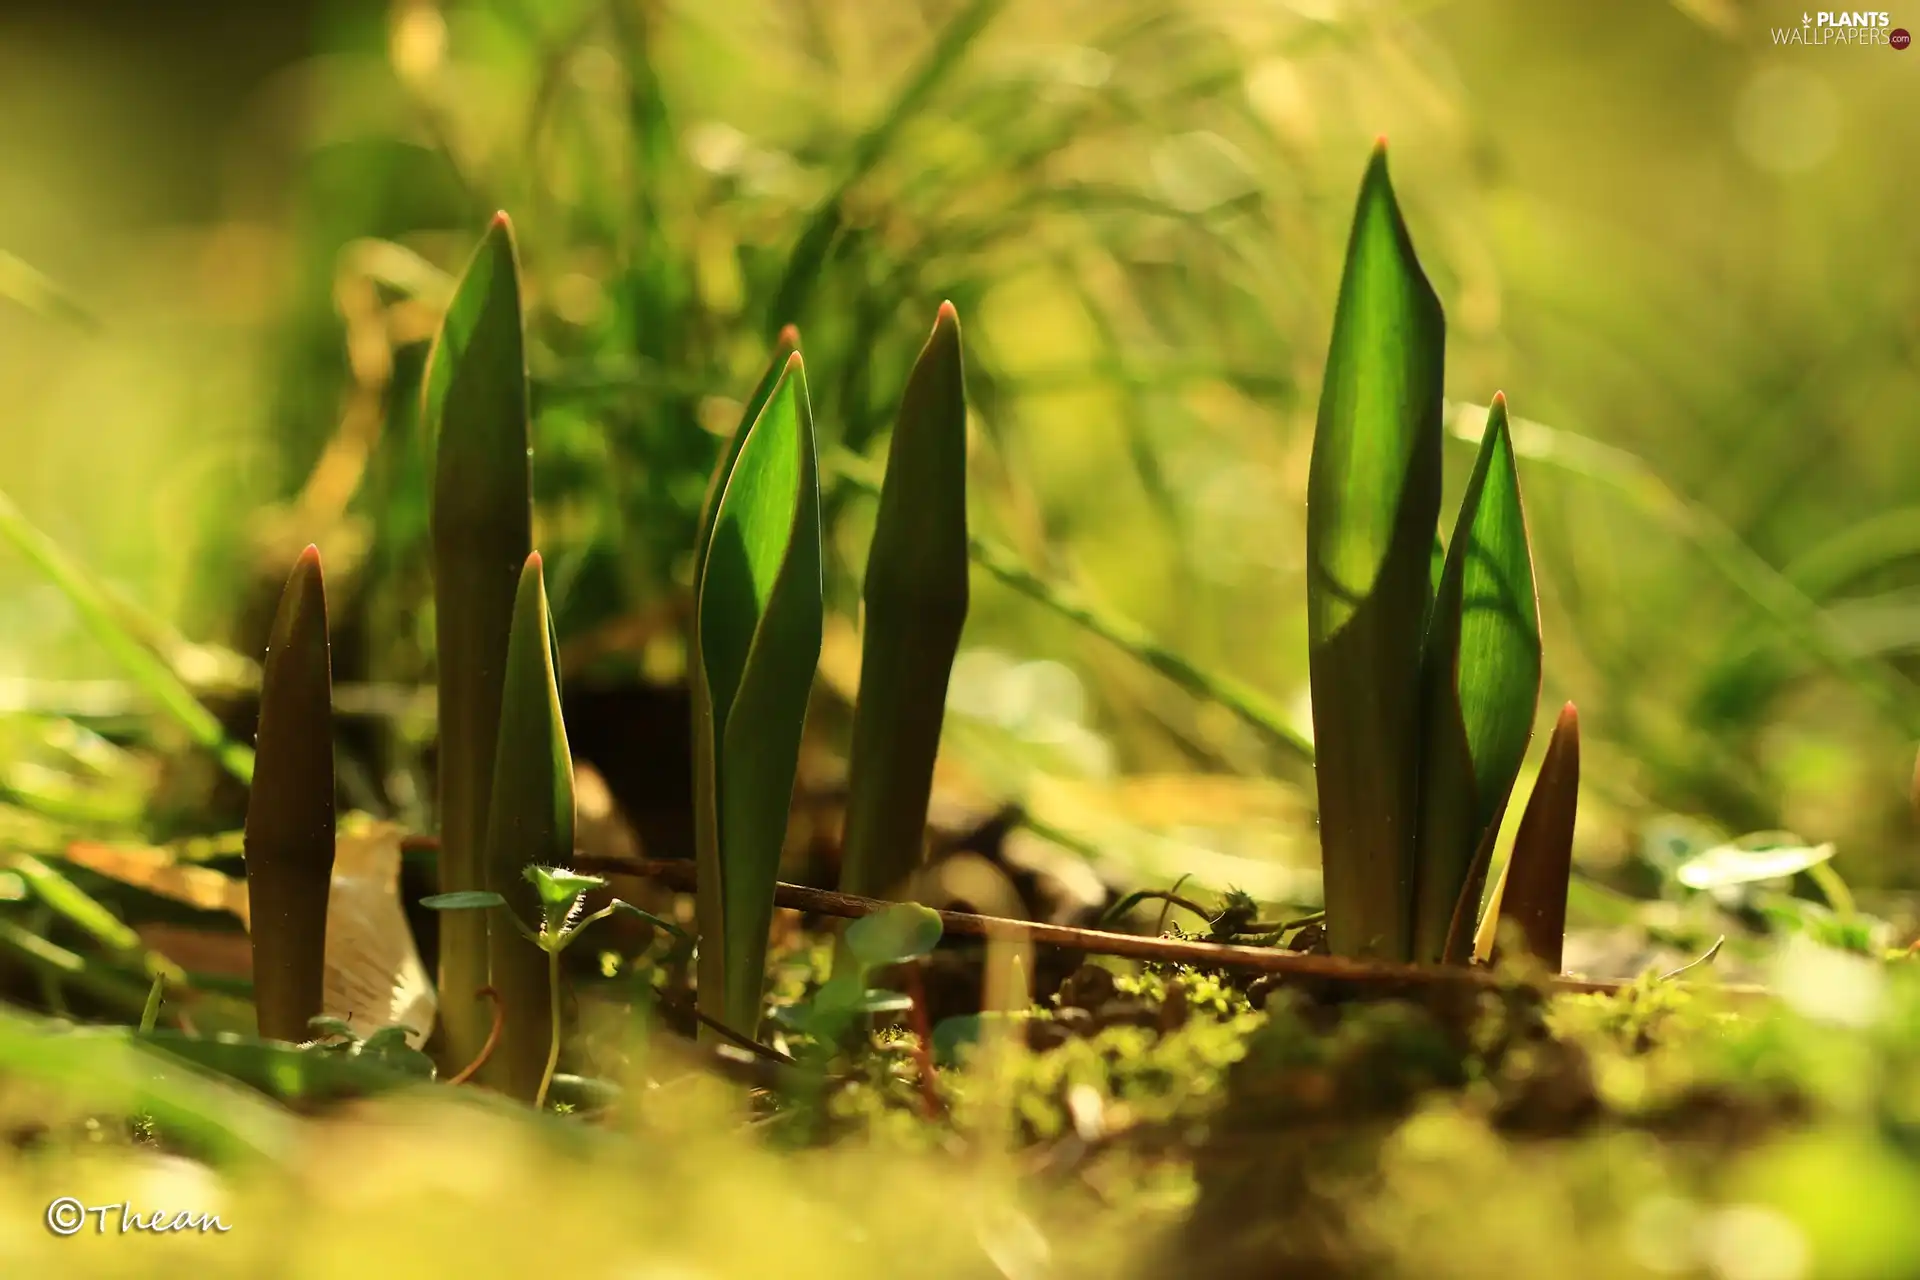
1671,242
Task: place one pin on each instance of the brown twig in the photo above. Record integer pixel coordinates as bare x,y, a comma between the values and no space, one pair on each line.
493,1036
679,874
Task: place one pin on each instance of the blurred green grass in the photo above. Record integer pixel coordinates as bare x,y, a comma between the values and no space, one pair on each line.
1651,227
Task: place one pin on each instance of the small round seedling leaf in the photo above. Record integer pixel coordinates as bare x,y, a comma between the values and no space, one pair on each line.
324,1025
388,1046
837,996
464,900
902,932
385,1040
1766,855
559,887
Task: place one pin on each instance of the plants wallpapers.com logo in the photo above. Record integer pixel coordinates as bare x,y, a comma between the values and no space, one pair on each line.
1845,29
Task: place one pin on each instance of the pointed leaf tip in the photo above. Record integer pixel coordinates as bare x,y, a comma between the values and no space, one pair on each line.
533,561
1483,687
1500,399
309,557
789,336
948,314
501,220
1380,143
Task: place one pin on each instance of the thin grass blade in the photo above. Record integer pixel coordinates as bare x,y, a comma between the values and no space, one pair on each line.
476,409
1373,501
290,811
1482,687
93,918
103,617
530,823
950,48
109,1069
27,286
112,986
916,607
760,631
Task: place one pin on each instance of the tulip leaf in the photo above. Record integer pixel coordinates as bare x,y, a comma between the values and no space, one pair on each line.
289,838
916,607
760,622
1533,893
1373,503
1482,687
784,347
709,906
529,829
475,407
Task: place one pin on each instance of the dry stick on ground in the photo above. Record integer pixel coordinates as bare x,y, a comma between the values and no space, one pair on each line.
679,874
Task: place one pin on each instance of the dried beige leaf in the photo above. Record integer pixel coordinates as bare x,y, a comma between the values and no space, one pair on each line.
374,975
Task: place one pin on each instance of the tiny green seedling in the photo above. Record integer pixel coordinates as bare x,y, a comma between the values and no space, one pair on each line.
562,896
386,1047
896,935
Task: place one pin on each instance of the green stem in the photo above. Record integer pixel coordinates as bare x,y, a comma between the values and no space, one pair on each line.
553,1048
150,1016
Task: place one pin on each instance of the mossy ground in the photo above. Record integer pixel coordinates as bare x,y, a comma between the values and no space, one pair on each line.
1132,1123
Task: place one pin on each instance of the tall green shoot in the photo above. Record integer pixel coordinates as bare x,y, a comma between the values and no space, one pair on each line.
760,602
476,407
1373,502
289,839
916,605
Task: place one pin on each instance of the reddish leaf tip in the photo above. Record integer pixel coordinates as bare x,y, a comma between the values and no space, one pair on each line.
1380,142
789,336
1499,399
311,556
948,314
533,560
501,220
1569,714
795,364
